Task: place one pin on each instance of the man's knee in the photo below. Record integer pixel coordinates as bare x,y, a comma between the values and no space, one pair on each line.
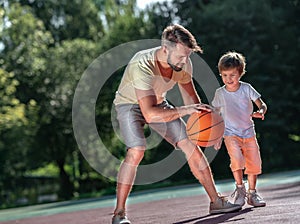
187,147
183,143
203,164
135,155
194,155
129,166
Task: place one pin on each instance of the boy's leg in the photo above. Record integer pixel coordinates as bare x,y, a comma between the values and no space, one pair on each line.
252,161
237,162
240,193
252,196
252,179
253,168
238,176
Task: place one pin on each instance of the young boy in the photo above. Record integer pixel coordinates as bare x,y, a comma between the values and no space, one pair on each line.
234,102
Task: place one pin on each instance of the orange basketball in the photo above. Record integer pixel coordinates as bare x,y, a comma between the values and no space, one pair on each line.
205,128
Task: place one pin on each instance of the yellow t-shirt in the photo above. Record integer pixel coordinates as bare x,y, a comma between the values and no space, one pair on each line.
142,72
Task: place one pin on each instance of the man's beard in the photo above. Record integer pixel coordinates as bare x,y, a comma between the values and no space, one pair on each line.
174,67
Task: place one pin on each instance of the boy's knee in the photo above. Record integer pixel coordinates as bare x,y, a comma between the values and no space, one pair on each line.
255,170
237,165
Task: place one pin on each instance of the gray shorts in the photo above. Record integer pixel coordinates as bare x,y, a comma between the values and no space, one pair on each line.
132,123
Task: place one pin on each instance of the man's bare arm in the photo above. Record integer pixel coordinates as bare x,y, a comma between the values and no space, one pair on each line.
153,113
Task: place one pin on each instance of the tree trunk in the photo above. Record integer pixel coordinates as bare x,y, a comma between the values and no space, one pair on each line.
66,186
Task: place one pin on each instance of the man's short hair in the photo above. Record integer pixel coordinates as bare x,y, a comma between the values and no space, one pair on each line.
176,33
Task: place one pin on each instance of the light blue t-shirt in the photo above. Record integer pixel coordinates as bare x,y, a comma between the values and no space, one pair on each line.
236,109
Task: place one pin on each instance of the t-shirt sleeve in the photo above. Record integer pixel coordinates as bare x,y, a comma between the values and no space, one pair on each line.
142,75
254,95
216,102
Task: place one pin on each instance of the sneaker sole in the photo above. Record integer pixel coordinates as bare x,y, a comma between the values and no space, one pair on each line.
235,209
261,205
123,222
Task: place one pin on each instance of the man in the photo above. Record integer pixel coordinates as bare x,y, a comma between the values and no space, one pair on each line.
140,100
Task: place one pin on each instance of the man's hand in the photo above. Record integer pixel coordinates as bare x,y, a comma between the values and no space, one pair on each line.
201,107
193,108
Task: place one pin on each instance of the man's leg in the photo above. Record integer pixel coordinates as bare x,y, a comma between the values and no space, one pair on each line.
175,133
199,167
201,170
126,176
131,124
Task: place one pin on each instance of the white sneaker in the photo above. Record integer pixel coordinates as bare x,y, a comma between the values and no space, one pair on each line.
120,218
222,205
255,200
239,195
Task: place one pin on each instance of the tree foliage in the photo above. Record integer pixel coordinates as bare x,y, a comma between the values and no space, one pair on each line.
67,20
17,129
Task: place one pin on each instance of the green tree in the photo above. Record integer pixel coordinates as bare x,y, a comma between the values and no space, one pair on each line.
124,23
66,19
47,75
17,129
159,15
65,64
25,42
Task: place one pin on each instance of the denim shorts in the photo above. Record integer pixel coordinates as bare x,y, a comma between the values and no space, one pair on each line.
132,127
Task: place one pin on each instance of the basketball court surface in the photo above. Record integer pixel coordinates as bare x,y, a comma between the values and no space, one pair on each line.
176,205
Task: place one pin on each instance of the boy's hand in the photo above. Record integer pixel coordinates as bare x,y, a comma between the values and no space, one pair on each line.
217,146
258,114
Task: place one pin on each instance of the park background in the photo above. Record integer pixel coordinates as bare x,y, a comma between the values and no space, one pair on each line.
45,46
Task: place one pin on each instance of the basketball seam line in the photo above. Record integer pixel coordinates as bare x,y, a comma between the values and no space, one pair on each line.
197,120
206,128
194,139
